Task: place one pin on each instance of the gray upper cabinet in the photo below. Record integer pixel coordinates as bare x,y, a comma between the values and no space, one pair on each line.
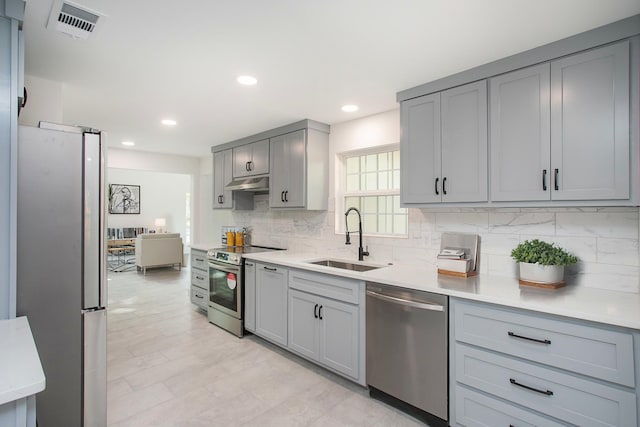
590,124
222,164
299,177
420,150
294,157
560,130
288,166
251,159
444,146
520,135
562,127
464,143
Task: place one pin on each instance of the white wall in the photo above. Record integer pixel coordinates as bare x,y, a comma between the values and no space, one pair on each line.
605,239
166,178
44,102
162,195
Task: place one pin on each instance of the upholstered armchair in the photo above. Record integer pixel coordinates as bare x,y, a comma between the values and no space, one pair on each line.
158,250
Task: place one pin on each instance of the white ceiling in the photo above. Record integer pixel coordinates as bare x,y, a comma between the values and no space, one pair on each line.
151,59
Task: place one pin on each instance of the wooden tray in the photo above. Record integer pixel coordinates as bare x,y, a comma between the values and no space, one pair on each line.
457,273
542,285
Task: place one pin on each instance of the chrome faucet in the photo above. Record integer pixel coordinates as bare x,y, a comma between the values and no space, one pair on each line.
361,252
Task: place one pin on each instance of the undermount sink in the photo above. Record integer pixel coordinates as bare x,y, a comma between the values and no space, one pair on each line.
345,265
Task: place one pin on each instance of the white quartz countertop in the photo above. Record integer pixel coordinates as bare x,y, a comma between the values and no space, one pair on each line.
205,246
596,305
21,373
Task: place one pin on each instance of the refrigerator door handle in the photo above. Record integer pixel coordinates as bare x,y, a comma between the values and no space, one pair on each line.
94,368
92,230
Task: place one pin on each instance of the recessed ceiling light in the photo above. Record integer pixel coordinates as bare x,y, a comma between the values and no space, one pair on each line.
349,108
128,143
169,122
247,80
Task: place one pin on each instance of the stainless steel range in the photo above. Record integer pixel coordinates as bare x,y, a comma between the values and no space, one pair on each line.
226,286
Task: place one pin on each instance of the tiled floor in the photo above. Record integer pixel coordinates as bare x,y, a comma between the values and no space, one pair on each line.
167,366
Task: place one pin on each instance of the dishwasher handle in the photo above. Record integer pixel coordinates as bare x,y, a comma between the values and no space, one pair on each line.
401,301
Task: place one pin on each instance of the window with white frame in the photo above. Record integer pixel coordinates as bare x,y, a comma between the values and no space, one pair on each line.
372,184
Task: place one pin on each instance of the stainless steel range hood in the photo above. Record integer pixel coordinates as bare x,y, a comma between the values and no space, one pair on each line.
249,184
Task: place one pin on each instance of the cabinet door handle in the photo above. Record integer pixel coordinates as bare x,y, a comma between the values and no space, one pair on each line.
555,179
320,312
246,166
248,264
513,335
282,196
547,392
315,311
250,165
544,180
199,296
270,268
444,183
286,193
436,186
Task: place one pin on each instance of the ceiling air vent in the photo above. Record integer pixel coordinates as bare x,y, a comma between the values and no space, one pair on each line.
72,19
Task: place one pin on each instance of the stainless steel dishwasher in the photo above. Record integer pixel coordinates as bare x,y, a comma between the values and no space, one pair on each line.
407,350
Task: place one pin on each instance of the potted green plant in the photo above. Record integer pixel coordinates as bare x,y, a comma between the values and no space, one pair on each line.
542,262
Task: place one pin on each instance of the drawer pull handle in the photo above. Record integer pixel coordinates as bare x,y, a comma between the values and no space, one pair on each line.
270,268
199,278
199,296
511,334
199,259
547,392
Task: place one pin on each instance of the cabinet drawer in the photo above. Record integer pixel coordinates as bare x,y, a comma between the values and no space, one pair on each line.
563,396
479,410
199,297
325,285
199,260
200,279
584,349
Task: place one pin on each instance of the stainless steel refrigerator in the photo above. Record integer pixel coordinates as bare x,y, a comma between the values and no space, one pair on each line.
61,279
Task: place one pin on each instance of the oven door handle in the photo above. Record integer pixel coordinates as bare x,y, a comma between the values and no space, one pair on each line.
224,268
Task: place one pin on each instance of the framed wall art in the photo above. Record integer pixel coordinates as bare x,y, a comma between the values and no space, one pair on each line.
124,199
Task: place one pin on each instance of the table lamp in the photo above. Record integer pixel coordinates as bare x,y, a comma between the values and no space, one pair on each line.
160,223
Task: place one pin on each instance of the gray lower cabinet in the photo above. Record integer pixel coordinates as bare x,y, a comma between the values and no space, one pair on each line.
474,408
325,331
569,118
326,321
250,296
271,302
535,369
199,278
444,147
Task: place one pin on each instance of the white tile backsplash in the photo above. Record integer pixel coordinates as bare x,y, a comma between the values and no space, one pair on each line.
606,240
620,224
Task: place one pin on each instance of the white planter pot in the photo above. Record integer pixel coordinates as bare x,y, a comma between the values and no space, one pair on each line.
541,273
